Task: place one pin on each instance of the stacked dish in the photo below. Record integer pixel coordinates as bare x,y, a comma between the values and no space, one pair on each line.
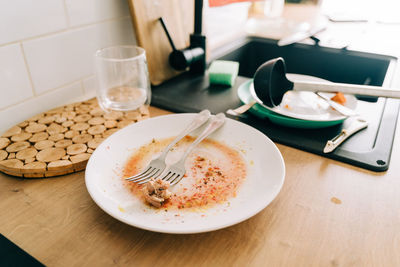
297,109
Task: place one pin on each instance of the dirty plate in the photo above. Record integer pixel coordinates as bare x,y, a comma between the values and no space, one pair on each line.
265,177
298,109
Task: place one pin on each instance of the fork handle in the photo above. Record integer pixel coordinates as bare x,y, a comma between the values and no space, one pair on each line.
216,122
199,120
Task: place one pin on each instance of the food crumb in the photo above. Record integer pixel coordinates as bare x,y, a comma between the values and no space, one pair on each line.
156,192
336,200
339,98
121,209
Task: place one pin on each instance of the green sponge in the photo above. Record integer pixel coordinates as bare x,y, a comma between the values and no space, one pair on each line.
223,72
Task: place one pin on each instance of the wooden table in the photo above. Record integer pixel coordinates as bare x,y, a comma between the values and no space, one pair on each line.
327,214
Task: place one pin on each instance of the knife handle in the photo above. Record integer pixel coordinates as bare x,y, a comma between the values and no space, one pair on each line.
356,126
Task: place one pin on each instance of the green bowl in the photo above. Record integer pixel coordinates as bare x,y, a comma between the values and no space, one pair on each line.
261,112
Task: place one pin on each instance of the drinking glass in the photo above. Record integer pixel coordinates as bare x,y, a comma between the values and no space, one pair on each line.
122,78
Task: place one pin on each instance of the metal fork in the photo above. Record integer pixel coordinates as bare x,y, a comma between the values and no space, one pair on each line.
157,165
176,171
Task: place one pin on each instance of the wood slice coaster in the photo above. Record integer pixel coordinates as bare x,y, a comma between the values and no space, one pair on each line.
61,140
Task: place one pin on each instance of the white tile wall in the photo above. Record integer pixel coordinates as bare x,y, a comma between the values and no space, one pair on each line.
224,23
58,59
24,110
21,19
90,11
89,86
46,51
15,85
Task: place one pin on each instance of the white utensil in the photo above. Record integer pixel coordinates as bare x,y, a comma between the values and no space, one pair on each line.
242,109
356,125
338,107
301,35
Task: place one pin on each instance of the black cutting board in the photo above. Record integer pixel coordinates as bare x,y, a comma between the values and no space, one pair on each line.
369,149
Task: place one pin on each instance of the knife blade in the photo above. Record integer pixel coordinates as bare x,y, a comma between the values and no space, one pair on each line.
301,35
356,124
338,107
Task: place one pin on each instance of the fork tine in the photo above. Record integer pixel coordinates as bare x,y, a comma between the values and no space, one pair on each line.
150,174
146,174
131,179
167,176
140,174
144,181
172,177
139,179
177,180
156,174
147,178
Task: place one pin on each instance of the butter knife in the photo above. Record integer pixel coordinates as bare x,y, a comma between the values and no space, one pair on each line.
339,108
357,124
300,36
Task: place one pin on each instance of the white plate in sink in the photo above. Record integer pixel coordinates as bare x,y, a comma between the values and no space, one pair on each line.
306,105
265,177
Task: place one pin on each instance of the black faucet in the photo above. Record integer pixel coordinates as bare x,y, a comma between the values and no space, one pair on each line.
194,56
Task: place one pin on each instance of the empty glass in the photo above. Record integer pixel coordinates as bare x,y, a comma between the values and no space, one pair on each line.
122,78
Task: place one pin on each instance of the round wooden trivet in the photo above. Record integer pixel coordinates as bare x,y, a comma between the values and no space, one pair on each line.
61,140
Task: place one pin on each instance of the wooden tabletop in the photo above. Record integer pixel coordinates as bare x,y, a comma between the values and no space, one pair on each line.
328,213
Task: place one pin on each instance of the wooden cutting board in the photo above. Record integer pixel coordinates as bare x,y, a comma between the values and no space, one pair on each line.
178,16
61,140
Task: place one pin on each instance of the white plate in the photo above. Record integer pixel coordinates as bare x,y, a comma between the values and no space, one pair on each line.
265,176
307,105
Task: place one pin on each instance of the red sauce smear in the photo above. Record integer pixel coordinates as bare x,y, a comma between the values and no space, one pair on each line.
214,173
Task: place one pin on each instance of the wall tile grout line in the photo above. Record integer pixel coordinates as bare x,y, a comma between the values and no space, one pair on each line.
64,85
49,57
67,18
83,87
10,106
28,69
81,80
65,30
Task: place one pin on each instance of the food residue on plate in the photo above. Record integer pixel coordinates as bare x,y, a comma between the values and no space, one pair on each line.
339,98
121,209
214,173
156,192
336,200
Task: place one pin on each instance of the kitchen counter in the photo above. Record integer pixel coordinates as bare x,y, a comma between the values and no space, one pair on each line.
328,213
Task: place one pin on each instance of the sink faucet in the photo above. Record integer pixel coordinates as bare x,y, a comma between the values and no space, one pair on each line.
194,56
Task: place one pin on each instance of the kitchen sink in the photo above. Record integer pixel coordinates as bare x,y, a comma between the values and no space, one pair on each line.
336,65
370,148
